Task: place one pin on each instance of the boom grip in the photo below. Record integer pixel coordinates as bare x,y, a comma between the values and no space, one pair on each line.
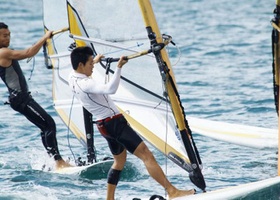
109,60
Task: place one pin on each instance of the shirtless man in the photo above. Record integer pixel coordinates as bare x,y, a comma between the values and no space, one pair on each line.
19,96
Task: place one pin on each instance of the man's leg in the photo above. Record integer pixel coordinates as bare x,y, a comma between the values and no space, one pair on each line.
39,117
114,174
156,172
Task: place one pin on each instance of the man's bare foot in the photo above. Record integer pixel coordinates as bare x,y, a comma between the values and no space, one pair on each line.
62,164
180,193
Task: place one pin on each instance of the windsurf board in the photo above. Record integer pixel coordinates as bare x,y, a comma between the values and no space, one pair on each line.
91,168
244,135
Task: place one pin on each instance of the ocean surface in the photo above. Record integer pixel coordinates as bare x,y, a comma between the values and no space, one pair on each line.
224,73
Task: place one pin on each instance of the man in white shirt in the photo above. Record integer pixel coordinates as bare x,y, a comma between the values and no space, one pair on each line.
94,96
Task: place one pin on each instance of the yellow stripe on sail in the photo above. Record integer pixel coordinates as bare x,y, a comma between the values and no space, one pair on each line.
49,45
75,25
276,61
277,71
277,52
149,18
65,118
222,132
76,131
152,138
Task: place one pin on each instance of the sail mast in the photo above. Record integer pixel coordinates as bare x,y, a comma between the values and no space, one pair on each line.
172,93
275,22
277,10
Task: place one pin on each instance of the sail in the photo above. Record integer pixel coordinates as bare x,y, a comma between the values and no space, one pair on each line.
147,95
57,51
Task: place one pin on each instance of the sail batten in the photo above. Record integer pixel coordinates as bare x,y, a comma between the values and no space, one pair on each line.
114,44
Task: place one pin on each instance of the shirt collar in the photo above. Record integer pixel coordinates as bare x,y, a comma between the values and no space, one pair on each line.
79,75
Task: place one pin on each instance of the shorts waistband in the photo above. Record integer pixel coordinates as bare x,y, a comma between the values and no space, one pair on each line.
109,118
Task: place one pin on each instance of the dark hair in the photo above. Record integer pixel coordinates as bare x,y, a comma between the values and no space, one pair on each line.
3,25
80,54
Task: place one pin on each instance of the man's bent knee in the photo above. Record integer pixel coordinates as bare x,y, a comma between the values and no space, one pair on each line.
113,176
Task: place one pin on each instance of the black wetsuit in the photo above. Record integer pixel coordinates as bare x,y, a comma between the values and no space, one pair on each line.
21,101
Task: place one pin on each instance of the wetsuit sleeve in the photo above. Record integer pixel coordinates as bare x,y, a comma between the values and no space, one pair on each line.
111,87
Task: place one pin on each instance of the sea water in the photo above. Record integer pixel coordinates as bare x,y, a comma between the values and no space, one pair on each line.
223,72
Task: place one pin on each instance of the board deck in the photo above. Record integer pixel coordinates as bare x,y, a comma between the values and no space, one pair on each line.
235,192
99,170
245,135
92,168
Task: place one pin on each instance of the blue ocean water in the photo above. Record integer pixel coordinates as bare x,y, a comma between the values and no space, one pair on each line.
223,73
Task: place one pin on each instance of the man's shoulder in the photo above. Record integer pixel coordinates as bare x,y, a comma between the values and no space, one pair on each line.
5,49
4,54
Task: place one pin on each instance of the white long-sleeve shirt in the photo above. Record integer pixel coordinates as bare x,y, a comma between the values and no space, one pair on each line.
94,95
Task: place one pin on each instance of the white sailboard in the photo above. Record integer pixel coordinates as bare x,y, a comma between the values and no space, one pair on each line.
91,168
245,135
244,190
147,95
262,189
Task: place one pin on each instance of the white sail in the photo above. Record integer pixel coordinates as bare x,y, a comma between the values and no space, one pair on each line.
115,28
142,96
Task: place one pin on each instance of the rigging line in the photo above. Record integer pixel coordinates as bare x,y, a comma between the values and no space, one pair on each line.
155,48
58,34
32,69
194,153
179,52
58,74
137,85
127,48
101,42
166,129
58,70
54,33
68,129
